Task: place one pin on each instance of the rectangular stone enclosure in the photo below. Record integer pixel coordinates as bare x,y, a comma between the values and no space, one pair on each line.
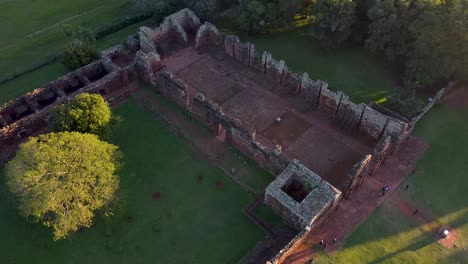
300,195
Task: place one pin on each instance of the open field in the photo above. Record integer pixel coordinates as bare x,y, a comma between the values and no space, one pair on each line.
438,188
32,30
176,208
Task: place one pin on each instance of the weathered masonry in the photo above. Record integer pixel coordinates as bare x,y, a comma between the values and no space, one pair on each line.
319,143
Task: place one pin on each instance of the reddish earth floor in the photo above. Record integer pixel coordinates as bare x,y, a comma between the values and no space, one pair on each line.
257,102
345,219
456,98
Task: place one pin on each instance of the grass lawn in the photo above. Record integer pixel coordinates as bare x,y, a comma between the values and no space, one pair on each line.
193,222
352,70
32,30
439,185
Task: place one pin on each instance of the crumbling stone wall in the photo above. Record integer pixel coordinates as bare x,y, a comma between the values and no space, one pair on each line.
171,87
381,152
29,113
237,135
174,32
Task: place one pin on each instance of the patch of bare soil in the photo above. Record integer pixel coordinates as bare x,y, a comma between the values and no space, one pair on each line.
456,98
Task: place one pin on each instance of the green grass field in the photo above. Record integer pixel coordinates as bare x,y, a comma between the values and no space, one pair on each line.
193,221
439,186
32,30
352,70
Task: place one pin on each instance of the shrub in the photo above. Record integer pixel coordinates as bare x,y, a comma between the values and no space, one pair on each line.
86,113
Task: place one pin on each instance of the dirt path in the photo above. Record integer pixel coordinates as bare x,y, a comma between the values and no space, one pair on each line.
423,217
351,213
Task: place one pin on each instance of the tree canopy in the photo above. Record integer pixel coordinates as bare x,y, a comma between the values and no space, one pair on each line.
429,36
80,48
86,113
257,16
333,20
62,179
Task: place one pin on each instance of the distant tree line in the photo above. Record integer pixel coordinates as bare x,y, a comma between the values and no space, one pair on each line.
425,38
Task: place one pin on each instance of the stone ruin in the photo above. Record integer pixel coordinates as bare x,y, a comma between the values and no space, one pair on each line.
318,142
300,195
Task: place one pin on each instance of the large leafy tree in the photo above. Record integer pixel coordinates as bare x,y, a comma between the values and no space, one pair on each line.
333,20
389,30
86,113
62,179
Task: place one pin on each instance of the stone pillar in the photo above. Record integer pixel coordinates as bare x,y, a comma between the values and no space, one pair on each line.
266,58
253,134
304,79
236,46
229,45
281,69
253,60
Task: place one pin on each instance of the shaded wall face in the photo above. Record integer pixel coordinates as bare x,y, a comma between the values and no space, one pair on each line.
284,211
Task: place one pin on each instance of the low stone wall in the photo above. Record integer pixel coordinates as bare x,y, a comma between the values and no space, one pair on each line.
29,113
357,174
172,88
431,104
291,243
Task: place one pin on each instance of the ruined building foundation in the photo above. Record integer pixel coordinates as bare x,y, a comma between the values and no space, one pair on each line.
319,144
